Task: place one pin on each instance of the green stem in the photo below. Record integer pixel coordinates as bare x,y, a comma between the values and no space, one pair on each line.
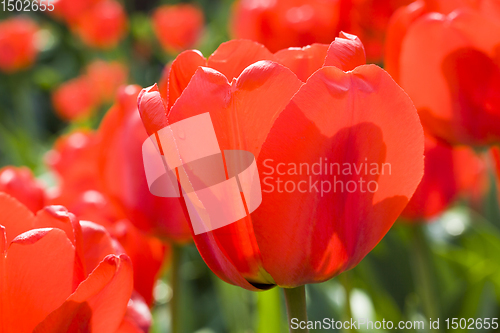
345,280
269,311
423,273
296,307
175,313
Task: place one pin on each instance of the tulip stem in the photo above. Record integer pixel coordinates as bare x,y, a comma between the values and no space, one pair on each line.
296,308
175,278
345,280
422,273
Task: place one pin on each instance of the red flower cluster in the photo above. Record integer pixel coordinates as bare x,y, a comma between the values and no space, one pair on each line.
344,112
78,98
18,48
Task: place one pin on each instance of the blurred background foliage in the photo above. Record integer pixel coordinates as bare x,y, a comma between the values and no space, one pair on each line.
460,250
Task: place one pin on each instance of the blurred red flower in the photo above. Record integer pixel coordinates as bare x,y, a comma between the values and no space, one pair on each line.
279,24
102,25
449,172
343,113
48,282
445,54
78,98
70,10
18,47
106,78
122,172
74,160
20,183
178,27
75,99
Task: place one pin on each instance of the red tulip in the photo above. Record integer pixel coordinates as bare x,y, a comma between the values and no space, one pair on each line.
445,55
46,283
346,112
20,184
449,172
122,172
18,48
75,99
103,25
106,78
178,27
282,23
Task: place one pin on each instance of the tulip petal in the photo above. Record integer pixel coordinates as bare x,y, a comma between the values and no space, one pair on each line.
232,57
491,8
20,184
97,244
152,109
38,278
99,303
181,71
398,27
59,217
120,156
438,186
242,113
357,117
262,91
15,217
346,52
3,241
303,61
138,317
